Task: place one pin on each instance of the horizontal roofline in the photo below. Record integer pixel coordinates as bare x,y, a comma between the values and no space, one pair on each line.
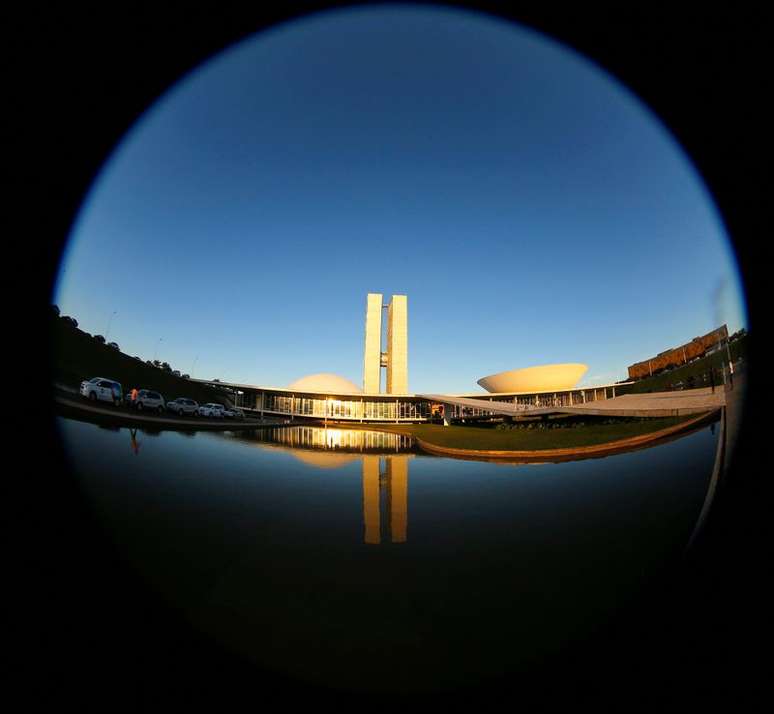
383,395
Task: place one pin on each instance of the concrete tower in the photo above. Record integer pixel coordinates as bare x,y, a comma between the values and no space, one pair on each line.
372,352
397,345
395,358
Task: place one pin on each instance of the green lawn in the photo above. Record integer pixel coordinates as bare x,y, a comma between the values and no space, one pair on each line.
467,437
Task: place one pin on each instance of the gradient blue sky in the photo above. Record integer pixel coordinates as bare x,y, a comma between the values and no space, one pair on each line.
532,209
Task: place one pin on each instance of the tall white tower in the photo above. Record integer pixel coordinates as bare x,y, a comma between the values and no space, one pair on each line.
395,357
373,344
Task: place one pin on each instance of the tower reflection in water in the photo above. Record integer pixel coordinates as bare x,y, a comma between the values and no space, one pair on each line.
389,477
384,460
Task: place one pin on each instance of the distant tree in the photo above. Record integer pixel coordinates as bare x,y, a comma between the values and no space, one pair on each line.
176,372
139,359
149,363
56,310
166,366
186,376
156,363
71,320
100,339
114,345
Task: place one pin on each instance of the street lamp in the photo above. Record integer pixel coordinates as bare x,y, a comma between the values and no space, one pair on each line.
730,363
110,319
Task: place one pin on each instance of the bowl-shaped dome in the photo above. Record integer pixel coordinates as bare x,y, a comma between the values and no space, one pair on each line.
544,378
324,459
325,382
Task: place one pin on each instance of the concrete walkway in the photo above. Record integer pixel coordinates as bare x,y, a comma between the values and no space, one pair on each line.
77,404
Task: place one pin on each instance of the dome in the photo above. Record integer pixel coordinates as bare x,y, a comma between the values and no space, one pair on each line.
544,378
325,382
325,459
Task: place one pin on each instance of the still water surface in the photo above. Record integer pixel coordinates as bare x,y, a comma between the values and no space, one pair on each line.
348,558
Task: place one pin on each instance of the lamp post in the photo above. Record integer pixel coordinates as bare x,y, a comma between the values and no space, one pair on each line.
730,363
110,319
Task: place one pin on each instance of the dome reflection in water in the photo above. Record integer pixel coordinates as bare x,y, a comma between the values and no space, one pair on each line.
350,559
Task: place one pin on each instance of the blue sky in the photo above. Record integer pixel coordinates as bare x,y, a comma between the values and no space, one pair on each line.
532,209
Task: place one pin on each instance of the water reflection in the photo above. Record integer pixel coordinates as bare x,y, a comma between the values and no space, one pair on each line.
315,437
270,548
384,467
135,443
385,483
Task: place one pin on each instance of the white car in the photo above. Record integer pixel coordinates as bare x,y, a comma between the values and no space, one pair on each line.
147,399
212,410
102,389
234,413
182,405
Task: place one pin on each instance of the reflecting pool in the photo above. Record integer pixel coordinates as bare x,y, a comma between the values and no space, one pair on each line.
349,558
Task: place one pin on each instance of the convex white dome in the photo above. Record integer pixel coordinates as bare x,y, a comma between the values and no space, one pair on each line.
325,382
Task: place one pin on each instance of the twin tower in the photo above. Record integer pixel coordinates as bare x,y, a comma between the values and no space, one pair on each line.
395,355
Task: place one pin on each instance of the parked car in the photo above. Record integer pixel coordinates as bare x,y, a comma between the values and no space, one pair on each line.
183,405
212,410
149,400
102,389
234,413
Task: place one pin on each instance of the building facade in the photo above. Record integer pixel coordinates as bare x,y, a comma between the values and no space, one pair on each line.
395,357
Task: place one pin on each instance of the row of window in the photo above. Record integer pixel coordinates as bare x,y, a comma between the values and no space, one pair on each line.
391,410
345,409
316,437
563,399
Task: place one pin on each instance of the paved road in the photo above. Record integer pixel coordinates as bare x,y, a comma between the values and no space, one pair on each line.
78,404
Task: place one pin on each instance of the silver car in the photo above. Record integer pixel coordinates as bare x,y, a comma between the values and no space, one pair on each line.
149,400
212,410
183,405
101,389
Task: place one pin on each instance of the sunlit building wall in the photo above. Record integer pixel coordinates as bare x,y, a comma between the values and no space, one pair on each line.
397,345
372,351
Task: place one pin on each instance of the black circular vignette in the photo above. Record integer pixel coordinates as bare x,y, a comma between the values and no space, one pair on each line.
103,640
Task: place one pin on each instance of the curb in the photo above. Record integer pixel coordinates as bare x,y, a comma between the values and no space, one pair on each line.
576,451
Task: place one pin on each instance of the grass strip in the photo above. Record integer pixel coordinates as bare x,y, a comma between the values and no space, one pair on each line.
466,437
